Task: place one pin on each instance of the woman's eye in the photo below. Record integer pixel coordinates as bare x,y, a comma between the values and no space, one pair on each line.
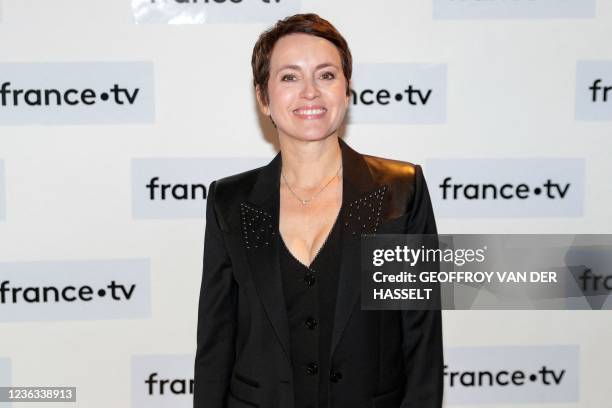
328,75
288,77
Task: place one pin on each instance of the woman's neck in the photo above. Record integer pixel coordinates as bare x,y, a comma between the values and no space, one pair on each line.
308,164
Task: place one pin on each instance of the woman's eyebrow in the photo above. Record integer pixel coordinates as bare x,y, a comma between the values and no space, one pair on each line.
325,65
298,68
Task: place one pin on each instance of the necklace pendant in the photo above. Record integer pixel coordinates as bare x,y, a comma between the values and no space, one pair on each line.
305,202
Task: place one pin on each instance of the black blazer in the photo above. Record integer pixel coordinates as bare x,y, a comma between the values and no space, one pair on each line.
379,358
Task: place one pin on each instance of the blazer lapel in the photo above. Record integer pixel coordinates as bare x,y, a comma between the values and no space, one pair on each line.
364,206
259,227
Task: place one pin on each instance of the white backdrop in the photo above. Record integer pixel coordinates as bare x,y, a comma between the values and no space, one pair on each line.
511,83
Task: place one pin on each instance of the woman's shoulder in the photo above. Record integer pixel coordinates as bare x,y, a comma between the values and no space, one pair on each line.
238,179
237,183
391,171
408,190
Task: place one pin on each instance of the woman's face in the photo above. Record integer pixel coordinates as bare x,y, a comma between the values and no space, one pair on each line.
307,88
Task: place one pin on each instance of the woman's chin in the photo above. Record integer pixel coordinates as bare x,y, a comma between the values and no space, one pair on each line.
311,135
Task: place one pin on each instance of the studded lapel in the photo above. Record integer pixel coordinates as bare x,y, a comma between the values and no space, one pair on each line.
258,227
364,208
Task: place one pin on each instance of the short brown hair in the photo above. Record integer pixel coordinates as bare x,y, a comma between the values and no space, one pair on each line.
299,23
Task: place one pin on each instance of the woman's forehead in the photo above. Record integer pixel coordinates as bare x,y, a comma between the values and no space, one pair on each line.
299,49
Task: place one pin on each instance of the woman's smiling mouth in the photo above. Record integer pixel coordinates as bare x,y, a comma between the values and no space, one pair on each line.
311,112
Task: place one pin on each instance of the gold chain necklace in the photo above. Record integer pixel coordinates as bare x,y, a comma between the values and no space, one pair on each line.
305,201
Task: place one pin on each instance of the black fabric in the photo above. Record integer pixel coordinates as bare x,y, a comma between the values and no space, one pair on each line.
310,298
382,359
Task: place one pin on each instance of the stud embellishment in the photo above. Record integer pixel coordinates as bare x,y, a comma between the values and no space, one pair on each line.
256,226
364,213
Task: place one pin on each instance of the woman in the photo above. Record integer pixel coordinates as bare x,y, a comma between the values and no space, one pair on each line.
280,323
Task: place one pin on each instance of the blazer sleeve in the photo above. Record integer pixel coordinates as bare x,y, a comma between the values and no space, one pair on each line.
422,329
216,317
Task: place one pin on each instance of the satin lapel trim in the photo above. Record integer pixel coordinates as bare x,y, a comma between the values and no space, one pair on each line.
259,230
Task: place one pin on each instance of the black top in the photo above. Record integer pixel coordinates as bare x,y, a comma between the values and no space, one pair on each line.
310,298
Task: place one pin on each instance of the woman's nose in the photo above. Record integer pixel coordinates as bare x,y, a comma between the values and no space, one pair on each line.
310,89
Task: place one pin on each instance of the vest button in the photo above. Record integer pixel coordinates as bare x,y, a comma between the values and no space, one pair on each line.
312,368
335,376
311,323
309,279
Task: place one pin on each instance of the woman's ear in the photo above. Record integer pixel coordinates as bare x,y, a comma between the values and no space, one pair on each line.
263,106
